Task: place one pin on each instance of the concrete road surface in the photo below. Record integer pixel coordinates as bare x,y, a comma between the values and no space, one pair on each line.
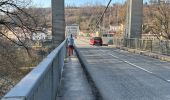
74,85
120,75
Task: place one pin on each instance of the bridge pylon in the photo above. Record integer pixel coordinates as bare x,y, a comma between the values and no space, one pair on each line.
58,21
134,19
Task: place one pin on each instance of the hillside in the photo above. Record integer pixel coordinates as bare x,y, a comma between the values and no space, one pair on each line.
87,16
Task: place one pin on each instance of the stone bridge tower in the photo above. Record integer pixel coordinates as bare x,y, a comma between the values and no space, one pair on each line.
58,21
134,19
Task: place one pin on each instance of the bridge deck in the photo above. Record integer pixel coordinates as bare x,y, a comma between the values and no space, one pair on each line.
120,75
74,83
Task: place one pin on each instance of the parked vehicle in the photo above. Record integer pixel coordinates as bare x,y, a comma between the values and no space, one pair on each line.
96,41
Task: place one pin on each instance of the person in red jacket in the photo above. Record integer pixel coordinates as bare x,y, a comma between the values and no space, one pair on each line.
70,42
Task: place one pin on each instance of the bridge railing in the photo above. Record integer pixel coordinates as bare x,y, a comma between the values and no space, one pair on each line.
43,82
155,46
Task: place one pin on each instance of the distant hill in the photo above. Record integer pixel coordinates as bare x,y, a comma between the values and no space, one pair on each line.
85,16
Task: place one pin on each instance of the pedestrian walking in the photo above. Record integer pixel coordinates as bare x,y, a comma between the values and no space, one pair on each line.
70,42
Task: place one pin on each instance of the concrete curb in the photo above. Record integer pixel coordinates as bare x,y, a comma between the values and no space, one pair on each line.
87,71
146,53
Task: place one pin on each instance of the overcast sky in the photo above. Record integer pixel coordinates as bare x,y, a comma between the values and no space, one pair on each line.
47,3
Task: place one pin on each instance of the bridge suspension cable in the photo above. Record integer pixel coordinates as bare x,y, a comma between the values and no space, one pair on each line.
101,17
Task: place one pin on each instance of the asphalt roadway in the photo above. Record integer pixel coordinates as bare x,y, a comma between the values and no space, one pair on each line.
120,75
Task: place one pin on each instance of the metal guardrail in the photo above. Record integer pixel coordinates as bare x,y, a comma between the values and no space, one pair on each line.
155,46
43,82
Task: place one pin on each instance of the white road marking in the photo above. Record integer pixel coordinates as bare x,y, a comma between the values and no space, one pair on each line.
129,63
137,66
114,56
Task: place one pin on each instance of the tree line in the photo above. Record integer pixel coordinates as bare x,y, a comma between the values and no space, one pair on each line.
156,17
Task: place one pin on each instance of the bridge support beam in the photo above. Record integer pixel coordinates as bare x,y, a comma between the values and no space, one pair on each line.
134,19
58,22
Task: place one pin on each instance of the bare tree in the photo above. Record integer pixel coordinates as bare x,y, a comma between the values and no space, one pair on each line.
15,19
159,20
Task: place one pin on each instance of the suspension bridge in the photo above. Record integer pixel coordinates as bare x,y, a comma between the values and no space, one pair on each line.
97,72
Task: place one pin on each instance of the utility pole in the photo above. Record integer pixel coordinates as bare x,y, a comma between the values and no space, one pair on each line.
58,22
